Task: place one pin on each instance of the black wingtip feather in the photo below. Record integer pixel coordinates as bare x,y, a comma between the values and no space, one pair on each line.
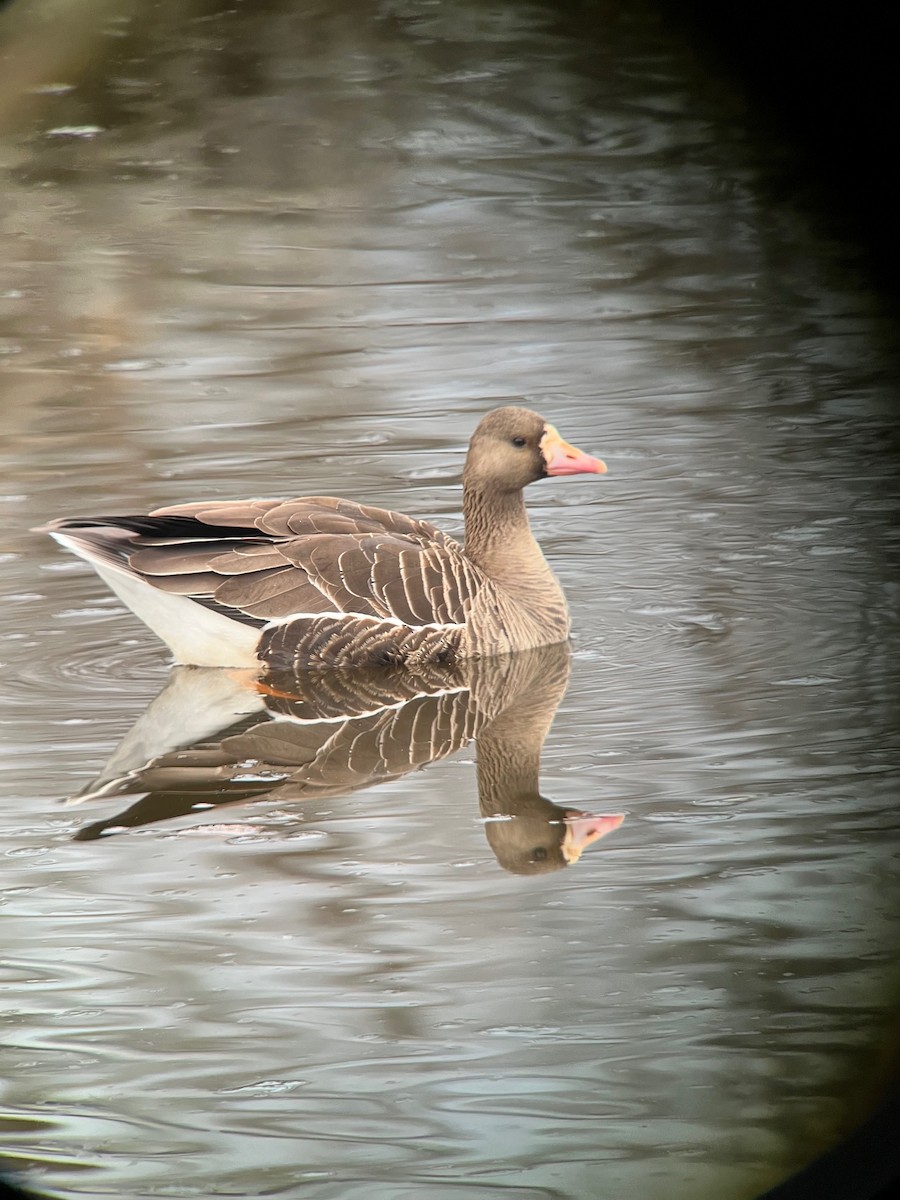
153,527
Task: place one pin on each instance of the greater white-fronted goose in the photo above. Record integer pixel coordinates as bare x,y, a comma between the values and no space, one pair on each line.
214,738
321,582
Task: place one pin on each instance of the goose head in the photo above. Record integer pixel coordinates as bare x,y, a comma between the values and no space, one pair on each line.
513,447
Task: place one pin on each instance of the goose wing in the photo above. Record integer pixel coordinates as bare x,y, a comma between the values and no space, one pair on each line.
272,560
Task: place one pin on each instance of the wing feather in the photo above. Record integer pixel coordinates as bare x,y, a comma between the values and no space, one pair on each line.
272,595
412,572
266,560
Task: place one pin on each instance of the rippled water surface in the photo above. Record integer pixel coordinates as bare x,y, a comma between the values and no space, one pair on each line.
300,248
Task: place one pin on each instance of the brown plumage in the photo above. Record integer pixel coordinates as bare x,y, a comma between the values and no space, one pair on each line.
319,582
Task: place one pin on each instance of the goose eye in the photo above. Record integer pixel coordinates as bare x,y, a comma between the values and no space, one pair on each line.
519,441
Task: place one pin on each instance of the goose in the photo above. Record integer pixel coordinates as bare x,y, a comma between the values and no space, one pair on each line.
319,582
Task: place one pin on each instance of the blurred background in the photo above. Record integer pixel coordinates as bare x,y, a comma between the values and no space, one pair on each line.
292,247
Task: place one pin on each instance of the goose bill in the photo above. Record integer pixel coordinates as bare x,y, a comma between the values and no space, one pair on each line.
562,459
582,829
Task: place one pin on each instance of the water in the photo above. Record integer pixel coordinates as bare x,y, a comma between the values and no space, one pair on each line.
301,248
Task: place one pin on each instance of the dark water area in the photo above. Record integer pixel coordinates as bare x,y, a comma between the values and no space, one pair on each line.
298,248
829,90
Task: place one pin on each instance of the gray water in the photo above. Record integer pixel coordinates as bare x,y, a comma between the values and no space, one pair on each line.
300,248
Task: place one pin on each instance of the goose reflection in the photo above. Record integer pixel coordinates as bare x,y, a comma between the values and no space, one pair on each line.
214,737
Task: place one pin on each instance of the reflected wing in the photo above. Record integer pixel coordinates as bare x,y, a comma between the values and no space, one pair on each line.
300,753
